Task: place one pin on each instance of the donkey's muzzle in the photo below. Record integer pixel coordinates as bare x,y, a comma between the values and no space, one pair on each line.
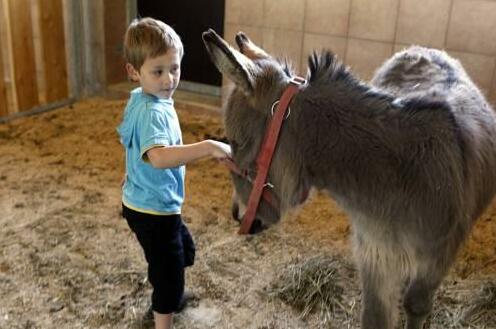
256,226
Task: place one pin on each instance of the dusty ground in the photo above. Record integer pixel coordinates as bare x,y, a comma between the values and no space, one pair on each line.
68,260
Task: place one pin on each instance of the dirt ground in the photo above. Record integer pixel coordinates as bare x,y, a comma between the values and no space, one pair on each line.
68,260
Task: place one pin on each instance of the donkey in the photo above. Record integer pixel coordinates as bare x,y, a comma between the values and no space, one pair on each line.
411,158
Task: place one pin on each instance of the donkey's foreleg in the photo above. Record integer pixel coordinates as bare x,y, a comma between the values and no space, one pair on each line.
418,298
426,277
380,297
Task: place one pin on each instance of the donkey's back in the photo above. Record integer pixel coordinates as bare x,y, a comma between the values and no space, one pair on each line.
432,75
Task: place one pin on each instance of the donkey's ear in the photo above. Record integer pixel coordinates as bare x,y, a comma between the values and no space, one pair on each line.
248,48
229,61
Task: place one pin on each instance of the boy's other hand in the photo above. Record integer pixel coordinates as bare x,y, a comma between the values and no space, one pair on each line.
220,150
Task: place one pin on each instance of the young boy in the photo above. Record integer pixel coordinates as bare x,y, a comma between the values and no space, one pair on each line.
153,189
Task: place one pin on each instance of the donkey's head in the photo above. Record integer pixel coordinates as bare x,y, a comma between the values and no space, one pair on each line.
259,81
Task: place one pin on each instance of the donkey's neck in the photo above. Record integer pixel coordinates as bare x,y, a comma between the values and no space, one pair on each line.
343,127
359,143
350,98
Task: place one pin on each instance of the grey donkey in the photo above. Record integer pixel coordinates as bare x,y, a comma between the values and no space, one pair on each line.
411,158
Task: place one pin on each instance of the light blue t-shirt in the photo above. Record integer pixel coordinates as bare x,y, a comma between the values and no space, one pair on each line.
150,122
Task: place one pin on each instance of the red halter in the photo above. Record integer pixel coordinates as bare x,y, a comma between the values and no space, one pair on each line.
265,156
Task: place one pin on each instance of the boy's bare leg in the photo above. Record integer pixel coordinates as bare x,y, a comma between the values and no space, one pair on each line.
162,321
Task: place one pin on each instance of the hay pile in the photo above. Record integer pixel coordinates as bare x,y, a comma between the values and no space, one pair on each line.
328,286
320,284
469,305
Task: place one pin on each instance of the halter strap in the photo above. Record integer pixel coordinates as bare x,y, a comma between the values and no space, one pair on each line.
266,153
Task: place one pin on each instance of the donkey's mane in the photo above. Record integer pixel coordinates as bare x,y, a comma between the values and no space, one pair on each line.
327,67
287,66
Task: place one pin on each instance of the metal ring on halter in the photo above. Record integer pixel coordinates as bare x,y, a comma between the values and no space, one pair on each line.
274,106
269,184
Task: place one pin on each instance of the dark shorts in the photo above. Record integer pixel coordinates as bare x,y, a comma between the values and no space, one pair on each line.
168,249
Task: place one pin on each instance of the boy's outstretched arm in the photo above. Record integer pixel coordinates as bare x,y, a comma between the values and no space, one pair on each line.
177,155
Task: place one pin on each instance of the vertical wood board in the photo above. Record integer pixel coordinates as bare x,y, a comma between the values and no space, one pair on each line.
53,44
4,110
115,22
24,66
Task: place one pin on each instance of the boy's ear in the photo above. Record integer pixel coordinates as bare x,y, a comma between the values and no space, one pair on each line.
131,72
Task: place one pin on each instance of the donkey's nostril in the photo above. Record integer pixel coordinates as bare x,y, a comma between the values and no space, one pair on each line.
256,226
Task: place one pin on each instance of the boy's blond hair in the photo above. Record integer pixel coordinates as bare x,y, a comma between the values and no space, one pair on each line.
149,38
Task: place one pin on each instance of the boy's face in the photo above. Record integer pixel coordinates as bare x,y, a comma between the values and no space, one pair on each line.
159,76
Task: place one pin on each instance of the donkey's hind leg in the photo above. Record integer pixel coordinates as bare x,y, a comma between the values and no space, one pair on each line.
419,296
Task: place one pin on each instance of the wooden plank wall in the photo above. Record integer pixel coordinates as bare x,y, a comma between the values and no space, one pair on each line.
53,44
3,89
114,28
47,18
24,65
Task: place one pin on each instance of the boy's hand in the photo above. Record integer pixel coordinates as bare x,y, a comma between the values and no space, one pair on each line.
220,150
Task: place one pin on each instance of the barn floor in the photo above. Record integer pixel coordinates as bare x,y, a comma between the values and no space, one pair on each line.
68,260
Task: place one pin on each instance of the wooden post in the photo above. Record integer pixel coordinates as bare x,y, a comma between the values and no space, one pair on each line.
115,24
53,45
93,47
24,66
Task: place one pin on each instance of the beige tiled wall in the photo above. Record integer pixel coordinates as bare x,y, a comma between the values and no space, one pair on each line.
364,33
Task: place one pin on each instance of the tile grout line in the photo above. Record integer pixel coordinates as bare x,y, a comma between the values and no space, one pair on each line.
450,13
344,59
302,43
396,24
